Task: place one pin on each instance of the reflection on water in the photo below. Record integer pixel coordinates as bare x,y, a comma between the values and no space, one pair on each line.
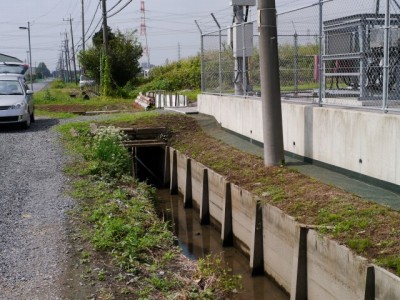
198,241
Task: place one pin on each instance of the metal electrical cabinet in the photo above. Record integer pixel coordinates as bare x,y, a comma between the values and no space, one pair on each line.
242,33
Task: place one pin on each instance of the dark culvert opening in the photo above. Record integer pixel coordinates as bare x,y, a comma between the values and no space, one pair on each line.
149,165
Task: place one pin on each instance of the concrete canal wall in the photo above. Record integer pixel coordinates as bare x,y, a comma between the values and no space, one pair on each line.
304,263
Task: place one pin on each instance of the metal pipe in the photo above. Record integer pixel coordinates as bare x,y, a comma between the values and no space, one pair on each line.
30,51
296,67
320,61
201,56
386,57
244,67
303,7
219,55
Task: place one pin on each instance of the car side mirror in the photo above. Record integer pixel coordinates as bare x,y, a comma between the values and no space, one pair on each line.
29,92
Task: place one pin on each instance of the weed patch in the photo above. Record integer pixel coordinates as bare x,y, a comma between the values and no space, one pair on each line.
132,253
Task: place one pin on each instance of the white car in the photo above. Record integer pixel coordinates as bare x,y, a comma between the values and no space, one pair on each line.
13,68
85,81
16,101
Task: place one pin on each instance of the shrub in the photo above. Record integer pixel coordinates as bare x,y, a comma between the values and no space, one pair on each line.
110,157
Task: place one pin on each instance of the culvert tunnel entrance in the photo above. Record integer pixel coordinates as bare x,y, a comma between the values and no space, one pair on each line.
148,165
147,146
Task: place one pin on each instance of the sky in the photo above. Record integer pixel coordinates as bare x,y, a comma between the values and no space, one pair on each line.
170,24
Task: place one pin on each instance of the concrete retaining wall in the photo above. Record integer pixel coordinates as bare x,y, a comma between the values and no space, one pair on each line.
359,141
279,238
333,271
303,262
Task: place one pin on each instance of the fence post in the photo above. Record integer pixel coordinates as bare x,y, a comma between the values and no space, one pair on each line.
296,67
219,55
244,68
201,56
386,58
320,61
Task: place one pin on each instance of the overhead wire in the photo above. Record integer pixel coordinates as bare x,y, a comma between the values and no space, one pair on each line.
91,22
120,9
114,6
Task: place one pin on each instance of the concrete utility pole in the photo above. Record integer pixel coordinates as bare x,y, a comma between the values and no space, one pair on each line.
270,84
66,62
30,52
73,49
83,27
68,58
105,33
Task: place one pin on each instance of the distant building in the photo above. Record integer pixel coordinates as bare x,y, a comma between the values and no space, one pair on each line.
146,68
8,58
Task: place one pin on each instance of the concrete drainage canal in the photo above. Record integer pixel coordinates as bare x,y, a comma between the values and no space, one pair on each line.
196,240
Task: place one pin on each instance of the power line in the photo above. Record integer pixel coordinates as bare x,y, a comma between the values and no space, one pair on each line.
91,22
120,9
114,6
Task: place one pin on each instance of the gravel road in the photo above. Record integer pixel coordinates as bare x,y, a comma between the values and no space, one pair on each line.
34,247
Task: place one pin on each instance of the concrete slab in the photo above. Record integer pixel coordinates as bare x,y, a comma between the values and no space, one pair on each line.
183,110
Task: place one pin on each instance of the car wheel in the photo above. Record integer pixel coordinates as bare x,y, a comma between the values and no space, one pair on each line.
27,123
32,117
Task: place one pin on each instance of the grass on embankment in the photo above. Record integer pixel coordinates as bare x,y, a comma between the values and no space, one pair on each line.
129,252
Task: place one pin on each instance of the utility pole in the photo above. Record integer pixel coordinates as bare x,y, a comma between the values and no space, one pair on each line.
270,84
179,51
68,59
105,33
66,63
73,48
62,65
83,27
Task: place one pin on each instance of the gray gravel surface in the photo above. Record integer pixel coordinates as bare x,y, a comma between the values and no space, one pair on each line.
34,243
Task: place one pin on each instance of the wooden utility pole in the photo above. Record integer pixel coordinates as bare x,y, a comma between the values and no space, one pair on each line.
270,84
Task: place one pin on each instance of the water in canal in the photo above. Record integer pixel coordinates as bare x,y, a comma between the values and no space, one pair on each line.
200,240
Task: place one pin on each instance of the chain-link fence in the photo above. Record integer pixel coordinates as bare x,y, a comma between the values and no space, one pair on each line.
341,52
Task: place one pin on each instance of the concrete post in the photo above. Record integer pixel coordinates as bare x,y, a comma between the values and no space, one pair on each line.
299,289
205,201
226,231
187,199
257,248
370,284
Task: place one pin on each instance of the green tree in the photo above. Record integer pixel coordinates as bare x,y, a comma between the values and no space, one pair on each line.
183,74
42,71
123,54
